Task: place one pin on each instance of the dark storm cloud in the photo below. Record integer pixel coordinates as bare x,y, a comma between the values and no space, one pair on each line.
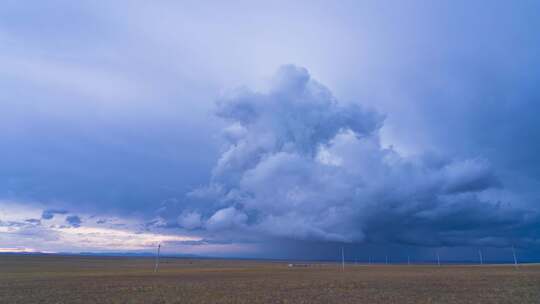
300,165
49,213
73,221
34,221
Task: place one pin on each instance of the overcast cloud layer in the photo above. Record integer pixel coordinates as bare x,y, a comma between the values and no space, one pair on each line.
279,130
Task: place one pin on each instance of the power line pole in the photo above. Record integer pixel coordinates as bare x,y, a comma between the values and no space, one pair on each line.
342,259
157,259
515,258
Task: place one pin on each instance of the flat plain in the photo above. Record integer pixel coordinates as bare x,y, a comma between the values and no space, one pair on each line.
77,279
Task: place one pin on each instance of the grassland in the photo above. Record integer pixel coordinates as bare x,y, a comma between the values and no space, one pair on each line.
61,279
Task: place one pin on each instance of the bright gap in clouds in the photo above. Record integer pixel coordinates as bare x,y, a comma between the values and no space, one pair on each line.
52,230
96,238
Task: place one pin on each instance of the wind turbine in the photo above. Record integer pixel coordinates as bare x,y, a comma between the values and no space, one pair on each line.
481,257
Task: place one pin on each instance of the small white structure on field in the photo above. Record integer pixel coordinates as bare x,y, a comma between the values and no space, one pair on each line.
291,265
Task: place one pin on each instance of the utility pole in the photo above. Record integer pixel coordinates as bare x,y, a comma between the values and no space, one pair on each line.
342,259
481,257
438,260
157,259
515,258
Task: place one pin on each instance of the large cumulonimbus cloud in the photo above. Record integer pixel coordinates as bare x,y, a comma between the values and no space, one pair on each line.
300,165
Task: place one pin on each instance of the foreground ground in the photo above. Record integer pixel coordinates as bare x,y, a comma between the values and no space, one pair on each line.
57,279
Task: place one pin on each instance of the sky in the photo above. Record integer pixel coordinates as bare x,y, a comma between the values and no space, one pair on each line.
271,129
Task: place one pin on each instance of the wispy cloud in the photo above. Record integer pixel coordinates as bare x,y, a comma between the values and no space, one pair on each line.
51,234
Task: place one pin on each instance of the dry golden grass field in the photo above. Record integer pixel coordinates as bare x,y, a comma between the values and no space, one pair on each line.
61,279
